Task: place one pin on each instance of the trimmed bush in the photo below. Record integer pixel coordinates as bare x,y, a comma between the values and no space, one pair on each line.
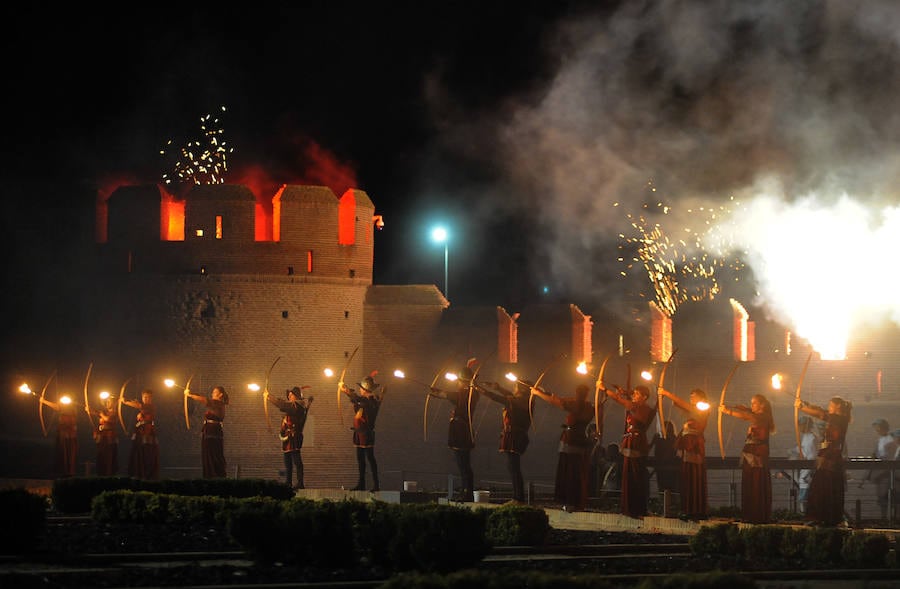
718,539
517,525
823,546
865,550
763,543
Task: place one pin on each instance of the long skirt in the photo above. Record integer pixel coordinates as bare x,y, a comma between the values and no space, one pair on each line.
212,452
144,460
826,495
66,455
572,471
107,456
635,486
693,489
756,494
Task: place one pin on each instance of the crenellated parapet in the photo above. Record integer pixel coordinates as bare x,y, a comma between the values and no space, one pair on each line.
305,232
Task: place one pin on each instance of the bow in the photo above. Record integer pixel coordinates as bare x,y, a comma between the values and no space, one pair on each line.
797,409
87,405
472,386
437,375
119,408
597,420
659,388
41,403
537,383
722,404
341,382
187,389
266,395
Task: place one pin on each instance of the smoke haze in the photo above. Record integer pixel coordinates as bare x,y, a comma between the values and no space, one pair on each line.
777,111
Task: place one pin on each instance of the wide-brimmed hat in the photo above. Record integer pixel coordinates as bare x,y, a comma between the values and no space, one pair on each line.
368,384
296,391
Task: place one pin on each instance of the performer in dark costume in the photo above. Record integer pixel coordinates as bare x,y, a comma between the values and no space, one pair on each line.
212,440
144,459
516,420
366,404
296,410
107,439
635,478
66,448
756,478
460,437
668,463
574,464
691,444
828,487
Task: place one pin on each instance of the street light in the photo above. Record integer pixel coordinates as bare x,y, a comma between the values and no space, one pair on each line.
439,235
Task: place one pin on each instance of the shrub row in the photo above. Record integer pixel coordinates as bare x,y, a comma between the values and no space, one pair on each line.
74,494
329,534
785,545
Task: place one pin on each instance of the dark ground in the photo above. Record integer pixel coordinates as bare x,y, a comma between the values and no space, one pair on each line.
60,560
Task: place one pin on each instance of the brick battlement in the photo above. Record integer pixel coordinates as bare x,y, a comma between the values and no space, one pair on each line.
223,229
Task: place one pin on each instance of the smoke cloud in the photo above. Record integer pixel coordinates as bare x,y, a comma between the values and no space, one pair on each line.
766,111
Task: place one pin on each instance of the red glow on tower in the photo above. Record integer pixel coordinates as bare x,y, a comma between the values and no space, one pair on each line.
347,219
171,217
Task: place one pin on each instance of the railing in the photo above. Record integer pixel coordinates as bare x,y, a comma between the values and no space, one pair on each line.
723,486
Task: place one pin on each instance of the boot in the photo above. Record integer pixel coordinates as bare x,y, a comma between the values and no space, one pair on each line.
375,486
361,480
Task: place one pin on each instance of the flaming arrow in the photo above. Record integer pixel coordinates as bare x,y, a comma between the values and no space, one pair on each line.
266,395
659,398
41,403
597,419
722,404
797,409
341,382
87,405
119,407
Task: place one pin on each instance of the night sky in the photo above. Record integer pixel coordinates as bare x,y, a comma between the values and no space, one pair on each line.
540,133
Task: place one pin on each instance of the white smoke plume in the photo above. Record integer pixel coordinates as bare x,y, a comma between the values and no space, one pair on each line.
785,113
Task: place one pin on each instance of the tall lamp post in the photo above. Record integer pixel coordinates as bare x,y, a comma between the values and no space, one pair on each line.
440,235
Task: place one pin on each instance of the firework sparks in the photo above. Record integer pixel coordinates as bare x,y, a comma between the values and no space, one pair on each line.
680,269
204,161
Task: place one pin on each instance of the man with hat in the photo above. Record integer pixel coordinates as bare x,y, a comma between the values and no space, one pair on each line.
296,410
460,437
516,419
366,403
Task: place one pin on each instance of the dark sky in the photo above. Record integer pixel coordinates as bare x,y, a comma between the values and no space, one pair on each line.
546,135
347,94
